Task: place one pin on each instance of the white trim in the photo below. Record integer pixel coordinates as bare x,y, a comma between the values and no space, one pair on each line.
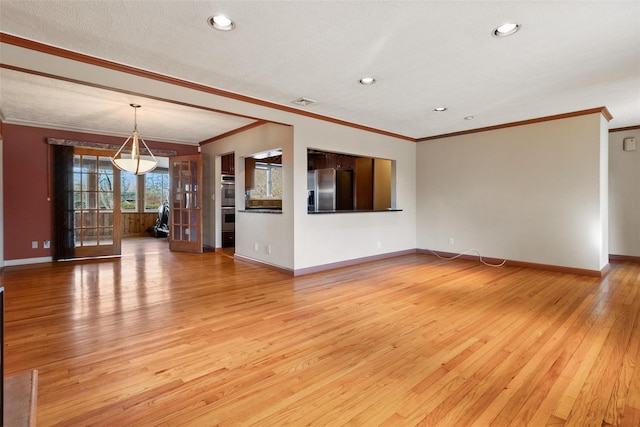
26,261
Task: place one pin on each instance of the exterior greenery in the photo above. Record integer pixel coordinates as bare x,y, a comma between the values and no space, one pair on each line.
156,190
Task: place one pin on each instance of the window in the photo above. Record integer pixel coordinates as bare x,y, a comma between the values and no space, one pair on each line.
128,192
268,181
156,189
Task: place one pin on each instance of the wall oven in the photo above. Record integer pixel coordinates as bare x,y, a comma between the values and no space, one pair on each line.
228,190
228,219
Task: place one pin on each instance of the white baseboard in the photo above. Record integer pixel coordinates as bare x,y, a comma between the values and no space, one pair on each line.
26,261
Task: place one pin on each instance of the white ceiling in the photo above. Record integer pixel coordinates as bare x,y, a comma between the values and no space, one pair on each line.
569,56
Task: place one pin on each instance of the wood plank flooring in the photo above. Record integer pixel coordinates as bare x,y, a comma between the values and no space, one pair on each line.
170,339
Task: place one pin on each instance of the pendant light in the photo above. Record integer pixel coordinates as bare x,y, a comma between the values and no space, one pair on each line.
134,164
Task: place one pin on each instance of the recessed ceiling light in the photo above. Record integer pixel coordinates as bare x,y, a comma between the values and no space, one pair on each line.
367,81
440,109
506,29
221,22
469,118
304,101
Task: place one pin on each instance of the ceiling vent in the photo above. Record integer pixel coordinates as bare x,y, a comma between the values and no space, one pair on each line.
304,101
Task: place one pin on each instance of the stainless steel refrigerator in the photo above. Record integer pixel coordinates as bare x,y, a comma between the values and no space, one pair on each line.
330,190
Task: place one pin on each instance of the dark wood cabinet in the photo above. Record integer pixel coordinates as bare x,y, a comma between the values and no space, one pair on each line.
228,239
227,166
316,161
249,173
363,183
326,160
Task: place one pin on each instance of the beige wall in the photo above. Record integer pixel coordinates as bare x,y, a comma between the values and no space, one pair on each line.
624,195
274,231
323,239
532,193
296,239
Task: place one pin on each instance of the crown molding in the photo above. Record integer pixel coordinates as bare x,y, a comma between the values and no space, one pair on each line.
601,110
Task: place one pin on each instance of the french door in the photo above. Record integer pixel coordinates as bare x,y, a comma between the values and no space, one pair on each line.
185,232
96,204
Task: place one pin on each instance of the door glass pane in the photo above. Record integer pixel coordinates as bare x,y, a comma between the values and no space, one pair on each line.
91,182
106,201
77,182
106,219
89,237
105,181
106,236
89,164
93,201
89,219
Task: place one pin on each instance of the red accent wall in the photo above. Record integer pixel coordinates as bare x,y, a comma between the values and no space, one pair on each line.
27,212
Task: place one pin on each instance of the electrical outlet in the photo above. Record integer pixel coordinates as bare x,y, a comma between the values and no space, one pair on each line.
379,244
451,241
46,244
256,247
34,244
268,249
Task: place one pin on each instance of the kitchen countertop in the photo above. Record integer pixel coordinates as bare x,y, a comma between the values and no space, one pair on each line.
261,210
353,211
279,211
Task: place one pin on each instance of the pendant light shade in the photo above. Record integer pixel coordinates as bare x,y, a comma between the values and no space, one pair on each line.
134,163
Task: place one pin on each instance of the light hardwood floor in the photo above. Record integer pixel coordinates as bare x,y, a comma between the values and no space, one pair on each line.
172,339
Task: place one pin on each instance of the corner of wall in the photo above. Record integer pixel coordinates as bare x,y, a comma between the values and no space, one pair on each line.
1,202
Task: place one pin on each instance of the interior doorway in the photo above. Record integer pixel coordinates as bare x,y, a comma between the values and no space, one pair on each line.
144,245
144,201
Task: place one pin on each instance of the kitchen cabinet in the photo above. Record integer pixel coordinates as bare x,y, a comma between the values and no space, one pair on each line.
326,160
363,183
339,161
316,161
228,239
249,173
227,164
381,184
